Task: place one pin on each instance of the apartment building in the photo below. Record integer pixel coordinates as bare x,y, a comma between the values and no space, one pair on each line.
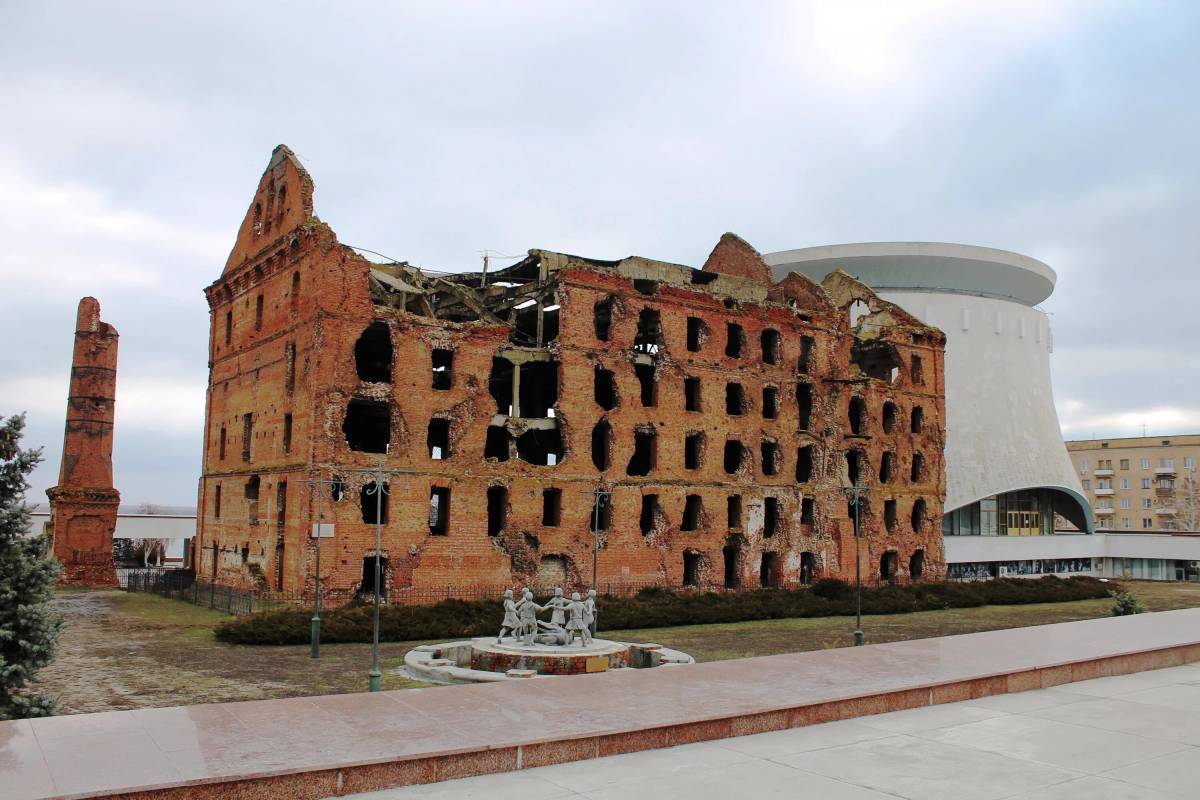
1141,483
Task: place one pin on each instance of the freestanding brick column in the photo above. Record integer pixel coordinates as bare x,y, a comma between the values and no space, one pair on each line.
83,507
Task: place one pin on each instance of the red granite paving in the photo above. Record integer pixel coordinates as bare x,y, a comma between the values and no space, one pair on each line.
318,747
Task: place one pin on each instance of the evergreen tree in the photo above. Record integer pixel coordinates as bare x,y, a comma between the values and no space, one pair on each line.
28,630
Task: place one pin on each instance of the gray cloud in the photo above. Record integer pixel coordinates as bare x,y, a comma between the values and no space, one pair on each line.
135,134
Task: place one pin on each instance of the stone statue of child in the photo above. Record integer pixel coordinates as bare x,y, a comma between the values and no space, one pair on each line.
528,611
589,611
511,622
558,604
576,624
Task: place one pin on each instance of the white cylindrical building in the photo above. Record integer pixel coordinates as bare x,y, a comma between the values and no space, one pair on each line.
1007,469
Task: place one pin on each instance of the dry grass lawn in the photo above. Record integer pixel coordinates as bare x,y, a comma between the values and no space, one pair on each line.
121,650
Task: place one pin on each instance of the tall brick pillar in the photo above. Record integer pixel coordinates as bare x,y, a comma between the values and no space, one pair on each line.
83,507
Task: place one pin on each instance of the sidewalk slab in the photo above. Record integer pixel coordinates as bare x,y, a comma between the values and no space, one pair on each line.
317,747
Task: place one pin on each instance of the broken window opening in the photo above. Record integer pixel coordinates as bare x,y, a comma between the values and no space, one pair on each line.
856,311
808,511
769,452
804,364
645,286
770,516
295,295
702,278
916,370
497,509
735,399
887,566
543,448
804,404
438,439
918,516
876,358
228,327
735,340
693,509
697,333
439,510
495,446
551,507
808,567
601,516
918,468
887,467
916,564
649,331
539,389
771,346
733,511
691,394
858,416
374,504
221,446
443,368
768,571
281,503
258,313
602,315
643,459
287,433
605,388
247,435
854,459
373,354
770,402
735,454
890,414
524,330
647,384
693,449
691,568
732,555
368,425
500,385
367,587
889,514
217,502
602,445
917,422
649,513
804,464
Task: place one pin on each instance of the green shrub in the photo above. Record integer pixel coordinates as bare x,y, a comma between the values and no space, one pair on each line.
656,608
1125,604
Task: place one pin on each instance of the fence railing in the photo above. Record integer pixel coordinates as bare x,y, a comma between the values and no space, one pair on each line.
183,584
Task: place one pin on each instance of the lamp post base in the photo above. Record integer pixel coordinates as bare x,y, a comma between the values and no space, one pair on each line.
858,638
315,651
374,679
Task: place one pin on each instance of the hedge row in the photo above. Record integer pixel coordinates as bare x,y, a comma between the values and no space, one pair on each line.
655,608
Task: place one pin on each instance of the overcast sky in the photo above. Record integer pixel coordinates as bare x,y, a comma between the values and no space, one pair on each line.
134,134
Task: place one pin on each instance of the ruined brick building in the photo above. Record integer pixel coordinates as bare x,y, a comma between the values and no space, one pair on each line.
701,423
83,506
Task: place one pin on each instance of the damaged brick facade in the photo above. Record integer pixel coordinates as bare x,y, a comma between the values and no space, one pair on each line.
83,506
701,423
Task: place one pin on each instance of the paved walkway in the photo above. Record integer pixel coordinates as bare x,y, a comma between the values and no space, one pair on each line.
1132,736
307,748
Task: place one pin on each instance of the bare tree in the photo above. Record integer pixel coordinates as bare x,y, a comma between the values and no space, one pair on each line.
147,550
1187,505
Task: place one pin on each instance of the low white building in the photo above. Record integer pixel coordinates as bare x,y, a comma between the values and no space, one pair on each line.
174,524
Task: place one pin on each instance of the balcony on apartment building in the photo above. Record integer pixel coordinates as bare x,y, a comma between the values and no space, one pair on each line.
1103,473
1103,491
1164,470
1104,512
1165,511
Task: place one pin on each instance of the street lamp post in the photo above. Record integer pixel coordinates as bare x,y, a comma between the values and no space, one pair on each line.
378,473
315,647
855,492
599,494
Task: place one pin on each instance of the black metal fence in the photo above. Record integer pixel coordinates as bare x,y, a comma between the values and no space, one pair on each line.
182,584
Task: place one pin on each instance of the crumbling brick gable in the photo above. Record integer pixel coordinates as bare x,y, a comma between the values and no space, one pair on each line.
734,256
